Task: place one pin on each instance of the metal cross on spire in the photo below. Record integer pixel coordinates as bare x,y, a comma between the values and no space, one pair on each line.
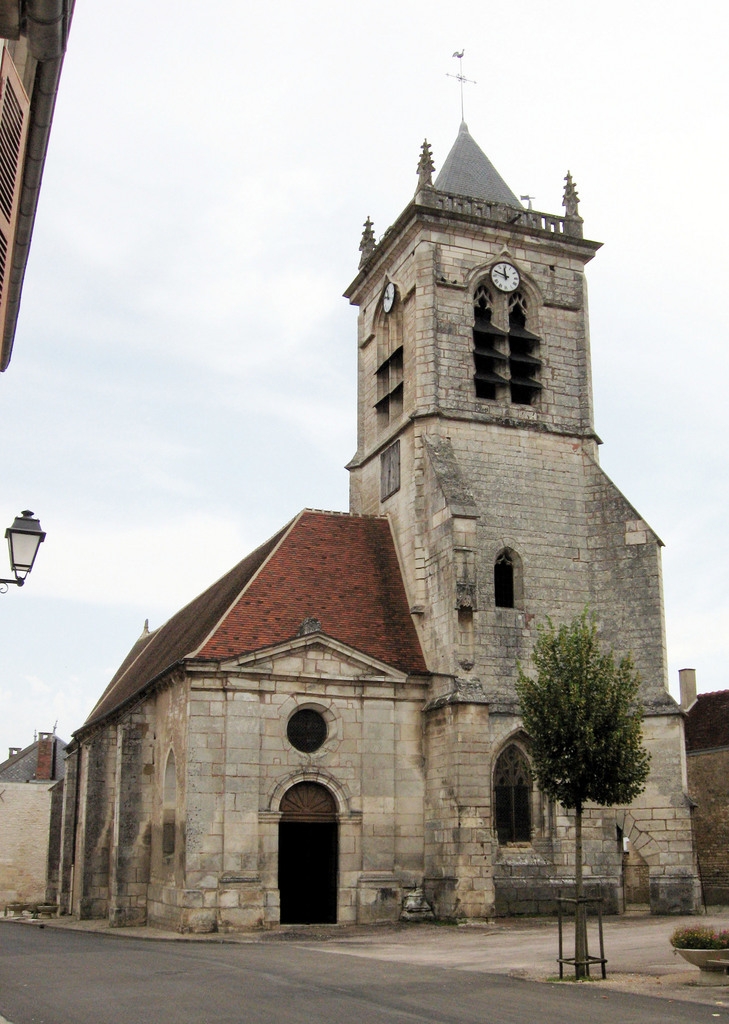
460,77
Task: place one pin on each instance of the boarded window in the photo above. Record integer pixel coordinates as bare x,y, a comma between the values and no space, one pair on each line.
513,797
390,471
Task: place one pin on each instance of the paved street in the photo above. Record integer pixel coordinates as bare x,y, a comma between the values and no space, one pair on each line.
54,975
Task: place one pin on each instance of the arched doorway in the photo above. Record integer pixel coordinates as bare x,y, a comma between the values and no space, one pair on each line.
307,855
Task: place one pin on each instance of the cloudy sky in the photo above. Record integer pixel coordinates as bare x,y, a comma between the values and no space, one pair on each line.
184,367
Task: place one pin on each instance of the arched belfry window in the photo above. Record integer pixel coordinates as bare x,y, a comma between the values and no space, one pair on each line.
508,580
513,796
490,355
505,354
169,806
524,364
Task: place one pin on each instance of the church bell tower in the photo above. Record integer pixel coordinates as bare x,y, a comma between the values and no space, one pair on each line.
475,437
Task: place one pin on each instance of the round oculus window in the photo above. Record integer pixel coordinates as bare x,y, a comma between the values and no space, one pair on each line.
306,730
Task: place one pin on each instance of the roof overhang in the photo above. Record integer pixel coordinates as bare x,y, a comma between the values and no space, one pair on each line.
45,24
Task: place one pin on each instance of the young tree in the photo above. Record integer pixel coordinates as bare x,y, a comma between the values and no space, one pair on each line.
585,722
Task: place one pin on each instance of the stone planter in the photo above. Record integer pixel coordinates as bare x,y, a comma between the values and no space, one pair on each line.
711,972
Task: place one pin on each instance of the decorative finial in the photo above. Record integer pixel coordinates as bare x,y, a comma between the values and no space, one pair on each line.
425,166
571,202
460,77
368,243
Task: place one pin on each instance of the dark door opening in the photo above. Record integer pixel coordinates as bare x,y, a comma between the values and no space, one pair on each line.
307,856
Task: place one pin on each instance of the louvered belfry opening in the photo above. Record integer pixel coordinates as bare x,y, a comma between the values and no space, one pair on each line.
512,797
308,855
489,348
506,363
524,364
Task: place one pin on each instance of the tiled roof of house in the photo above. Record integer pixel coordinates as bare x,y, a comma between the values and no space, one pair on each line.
23,766
707,721
339,569
467,171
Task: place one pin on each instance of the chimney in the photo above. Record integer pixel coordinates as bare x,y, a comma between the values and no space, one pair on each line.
687,681
46,763
14,751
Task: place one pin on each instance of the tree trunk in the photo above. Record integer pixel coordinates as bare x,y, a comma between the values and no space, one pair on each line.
581,968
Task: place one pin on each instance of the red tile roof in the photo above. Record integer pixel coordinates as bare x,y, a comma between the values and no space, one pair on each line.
707,721
338,568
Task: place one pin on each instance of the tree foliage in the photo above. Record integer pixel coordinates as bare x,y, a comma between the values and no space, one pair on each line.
583,717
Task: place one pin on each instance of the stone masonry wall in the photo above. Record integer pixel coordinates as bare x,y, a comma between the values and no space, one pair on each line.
130,860
458,836
240,764
96,824
708,772
25,812
68,847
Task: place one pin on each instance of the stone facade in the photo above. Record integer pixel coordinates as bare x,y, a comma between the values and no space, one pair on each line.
707,741
25,814
31,800
476,512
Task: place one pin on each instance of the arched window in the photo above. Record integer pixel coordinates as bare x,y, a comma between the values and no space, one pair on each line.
506,361
504,580
508,580
524,366
489,347
169,806
513,797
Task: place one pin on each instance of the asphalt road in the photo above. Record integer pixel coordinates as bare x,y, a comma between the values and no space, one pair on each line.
53,976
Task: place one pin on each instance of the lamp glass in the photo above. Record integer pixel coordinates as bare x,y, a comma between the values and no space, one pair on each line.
24,538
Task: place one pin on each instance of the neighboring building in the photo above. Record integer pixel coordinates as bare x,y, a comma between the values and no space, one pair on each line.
707,749
34,35
334,723
31,801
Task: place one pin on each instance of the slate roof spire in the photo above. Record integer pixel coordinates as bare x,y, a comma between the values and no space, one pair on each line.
467,171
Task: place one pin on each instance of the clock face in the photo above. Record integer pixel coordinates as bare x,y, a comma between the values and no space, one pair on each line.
505,277
388,299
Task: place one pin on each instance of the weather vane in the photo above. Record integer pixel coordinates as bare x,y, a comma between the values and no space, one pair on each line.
460,77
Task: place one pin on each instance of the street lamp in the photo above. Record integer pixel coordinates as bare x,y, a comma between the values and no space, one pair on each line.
24,538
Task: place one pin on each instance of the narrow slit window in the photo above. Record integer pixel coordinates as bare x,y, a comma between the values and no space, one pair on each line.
169,807
504,580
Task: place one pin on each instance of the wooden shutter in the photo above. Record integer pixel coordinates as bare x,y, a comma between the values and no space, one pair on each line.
14,108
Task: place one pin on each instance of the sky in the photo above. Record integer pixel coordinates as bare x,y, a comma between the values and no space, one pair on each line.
183,377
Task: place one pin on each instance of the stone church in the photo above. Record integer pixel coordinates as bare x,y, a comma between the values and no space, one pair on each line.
333,724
